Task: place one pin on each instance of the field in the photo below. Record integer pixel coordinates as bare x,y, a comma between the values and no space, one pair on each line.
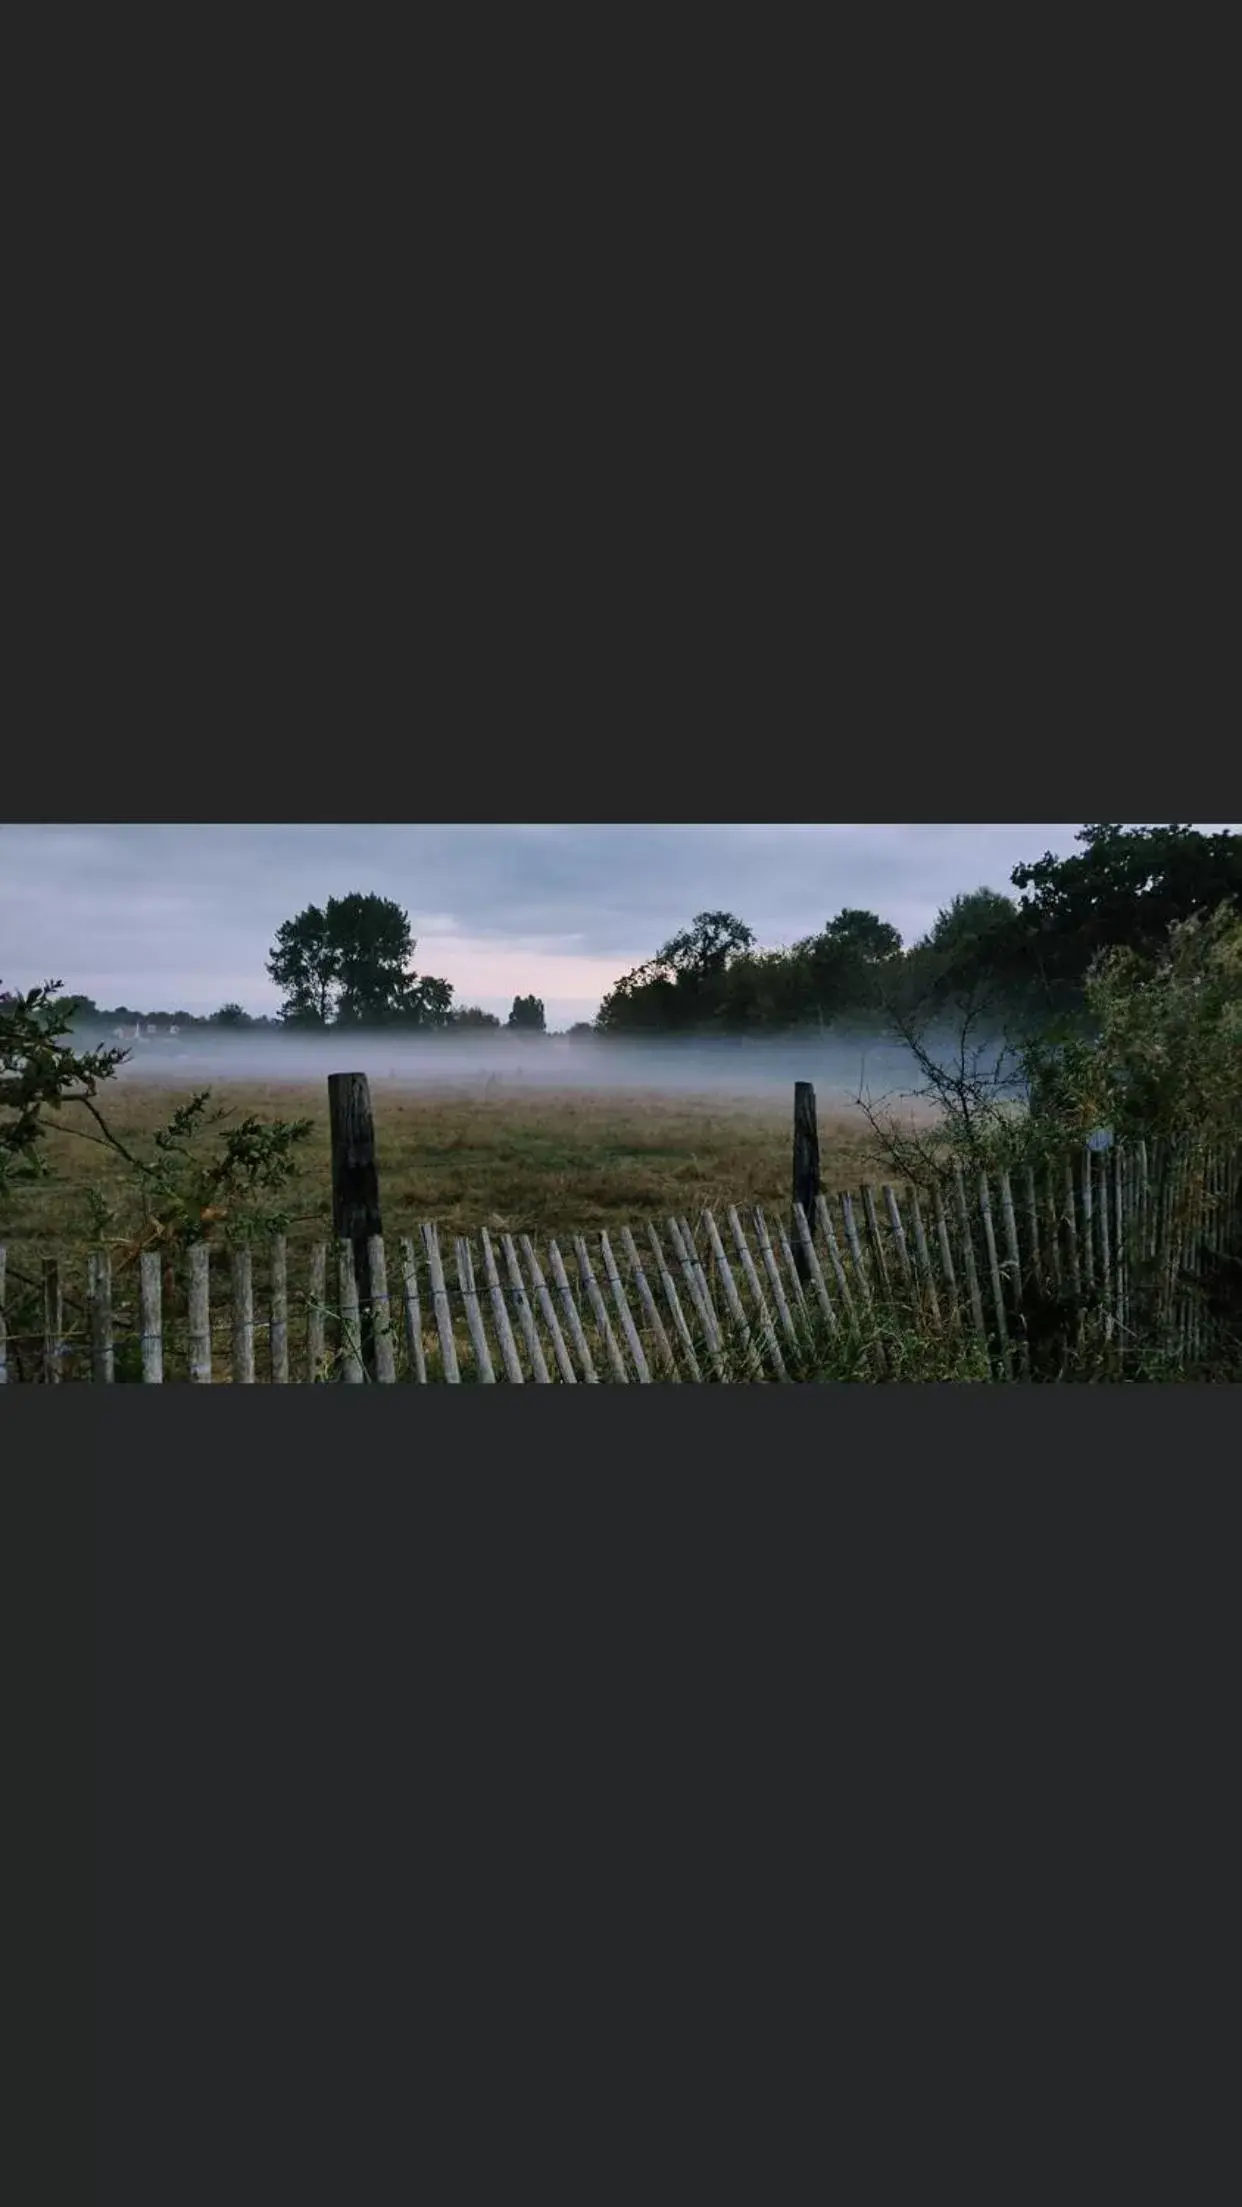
538,1163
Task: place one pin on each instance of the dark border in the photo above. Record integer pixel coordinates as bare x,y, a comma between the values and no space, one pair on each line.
377,1673
843,755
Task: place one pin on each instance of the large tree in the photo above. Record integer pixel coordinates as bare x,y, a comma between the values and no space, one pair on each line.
1124,887
374,948
349,961
528,1016
305,962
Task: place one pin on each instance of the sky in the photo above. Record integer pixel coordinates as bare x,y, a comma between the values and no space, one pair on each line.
182,917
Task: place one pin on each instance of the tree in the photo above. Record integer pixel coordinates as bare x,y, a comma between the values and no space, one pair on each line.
231,1015
1163,1056
581,1031
305,963
968,919
470,1015
429,1003
704,949
348,960
371,936
685,985
1125,886
527,1015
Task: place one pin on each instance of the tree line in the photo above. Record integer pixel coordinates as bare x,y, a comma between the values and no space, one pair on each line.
1023,960
345,964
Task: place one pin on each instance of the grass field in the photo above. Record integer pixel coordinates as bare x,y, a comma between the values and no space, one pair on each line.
545,1162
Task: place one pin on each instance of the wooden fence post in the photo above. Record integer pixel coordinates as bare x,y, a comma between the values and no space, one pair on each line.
805,1170
355,1190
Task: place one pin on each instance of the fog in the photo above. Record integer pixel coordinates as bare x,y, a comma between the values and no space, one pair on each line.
839,1064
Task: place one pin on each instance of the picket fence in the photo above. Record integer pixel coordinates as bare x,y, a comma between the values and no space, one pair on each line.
1128,1241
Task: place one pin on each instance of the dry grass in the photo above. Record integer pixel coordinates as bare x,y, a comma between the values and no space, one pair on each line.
536,1163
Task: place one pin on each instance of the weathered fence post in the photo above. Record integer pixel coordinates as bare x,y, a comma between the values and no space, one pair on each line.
805,1169
355,1190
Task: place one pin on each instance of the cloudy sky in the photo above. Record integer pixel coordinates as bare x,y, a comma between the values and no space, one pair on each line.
183,917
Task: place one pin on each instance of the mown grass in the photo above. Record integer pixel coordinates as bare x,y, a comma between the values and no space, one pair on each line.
541,1163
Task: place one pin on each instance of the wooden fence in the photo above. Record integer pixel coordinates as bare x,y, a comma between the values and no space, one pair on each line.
1121,1246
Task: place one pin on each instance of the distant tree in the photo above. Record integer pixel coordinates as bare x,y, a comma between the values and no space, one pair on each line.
429,1002
703,949
470,1015
374,946
349,960
528,1015
583,1030
305,962
865,934
230,1015
966,919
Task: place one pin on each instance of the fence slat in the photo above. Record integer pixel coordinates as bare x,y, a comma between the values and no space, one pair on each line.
673,1300
923,1256
968,1255
198,1311
150,1304
835,1259
440,1305
599,1309
768,1254
899,1239
572,1320
243,1317
737,1312
759,1299
998,1299
413,1314
854,1246
543,1296
707,1308
948,1270
692,1276
814,1269
353,1370
279,1292
624,1313
1013,1259
381,1311
316,1299
876,1244
500,1316
53,1323
651,1309
1053,1224
99,1305
796,1288
474,1315
526,1316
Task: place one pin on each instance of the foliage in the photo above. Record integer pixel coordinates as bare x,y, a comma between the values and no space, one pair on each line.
1026,958
1164,1057
348,962
40,1070
185,1186
470,1015
305,963
528,1015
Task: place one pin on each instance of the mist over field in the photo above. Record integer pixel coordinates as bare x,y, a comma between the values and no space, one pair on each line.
719,1069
